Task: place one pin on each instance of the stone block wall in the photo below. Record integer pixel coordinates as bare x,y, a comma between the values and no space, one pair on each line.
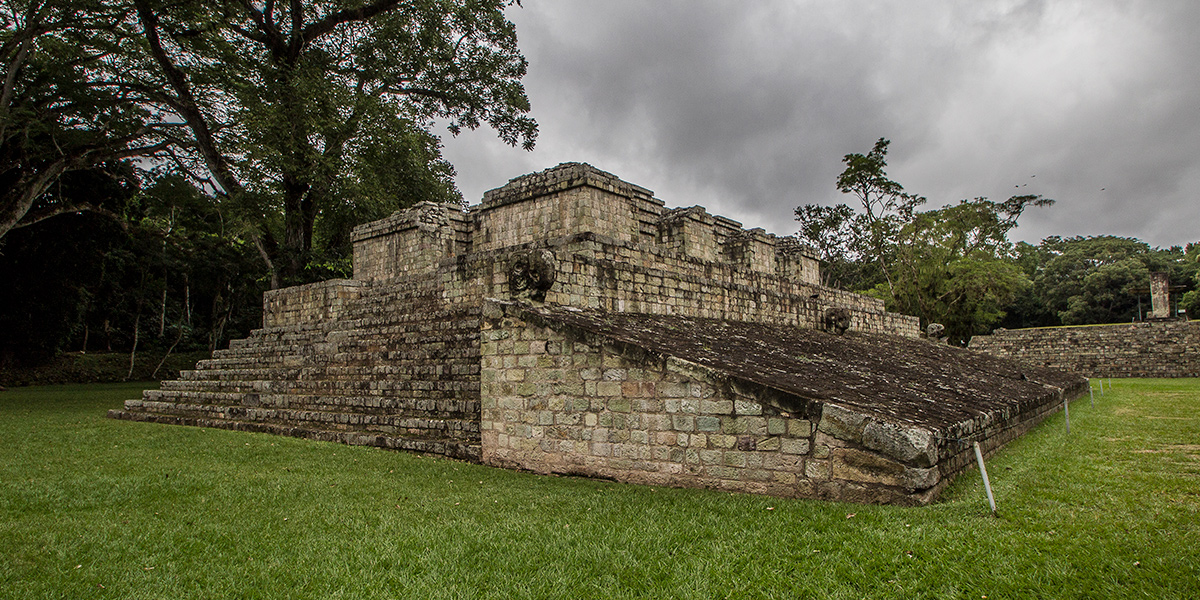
409,242
575,198
793,262
557,400
1153,349
320,302
689,232
598,272
559,202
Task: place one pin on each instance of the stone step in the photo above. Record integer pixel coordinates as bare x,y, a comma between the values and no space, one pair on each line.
446,329
464,405
460,449
370,371
358,360
354,386
397,321
393,425
322,352
393,339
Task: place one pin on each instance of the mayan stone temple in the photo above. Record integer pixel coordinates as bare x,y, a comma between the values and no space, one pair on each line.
572,324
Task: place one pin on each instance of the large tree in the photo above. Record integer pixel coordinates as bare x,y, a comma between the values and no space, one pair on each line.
886,207
60,108
291,103
953,265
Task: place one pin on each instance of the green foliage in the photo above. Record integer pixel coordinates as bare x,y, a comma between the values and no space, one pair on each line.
101,367
1190,302
167,276
61,109
826,229
1108,511
1103,279
887,208
956,264
318,112
952,265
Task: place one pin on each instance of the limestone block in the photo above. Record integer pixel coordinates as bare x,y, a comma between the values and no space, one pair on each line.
906,444
842,423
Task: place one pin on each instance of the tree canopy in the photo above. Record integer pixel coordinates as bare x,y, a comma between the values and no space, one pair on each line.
227,146
303,117
292,105
60,108
951,265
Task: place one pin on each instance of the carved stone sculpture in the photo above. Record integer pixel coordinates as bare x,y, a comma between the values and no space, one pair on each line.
532,273
936,331
837,320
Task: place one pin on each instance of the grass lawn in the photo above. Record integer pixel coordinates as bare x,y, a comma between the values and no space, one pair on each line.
96,508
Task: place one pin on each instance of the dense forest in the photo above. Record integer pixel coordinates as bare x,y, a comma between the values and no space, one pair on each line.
956,265
162,163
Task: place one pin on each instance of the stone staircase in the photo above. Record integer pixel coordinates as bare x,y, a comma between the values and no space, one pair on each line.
399,369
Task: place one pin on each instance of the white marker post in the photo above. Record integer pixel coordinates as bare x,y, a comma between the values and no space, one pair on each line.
986,484
1067,413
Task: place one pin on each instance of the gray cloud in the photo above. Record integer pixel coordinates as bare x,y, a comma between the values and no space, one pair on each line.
747,108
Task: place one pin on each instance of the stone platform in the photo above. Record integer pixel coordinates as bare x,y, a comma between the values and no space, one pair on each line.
571,323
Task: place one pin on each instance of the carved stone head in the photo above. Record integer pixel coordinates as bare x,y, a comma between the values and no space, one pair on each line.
532,274
935,331
836,320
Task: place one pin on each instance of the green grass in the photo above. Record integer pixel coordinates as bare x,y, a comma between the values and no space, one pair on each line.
97,508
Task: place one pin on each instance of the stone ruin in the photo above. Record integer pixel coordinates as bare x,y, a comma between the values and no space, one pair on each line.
573,324
1160,346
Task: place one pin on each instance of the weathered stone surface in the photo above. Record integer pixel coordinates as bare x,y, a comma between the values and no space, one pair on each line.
907,444
842,423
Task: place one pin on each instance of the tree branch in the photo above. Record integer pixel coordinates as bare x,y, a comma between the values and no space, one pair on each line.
187,105
332,20
38,215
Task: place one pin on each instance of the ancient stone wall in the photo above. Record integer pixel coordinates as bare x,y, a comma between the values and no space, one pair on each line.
573,199
594,272
560,202
1161,349
410,242
614,247
558,400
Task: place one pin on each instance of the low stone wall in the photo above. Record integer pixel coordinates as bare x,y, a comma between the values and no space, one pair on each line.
1153,349
594,271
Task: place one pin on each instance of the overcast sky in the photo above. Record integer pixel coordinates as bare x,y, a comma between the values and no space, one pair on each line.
747,107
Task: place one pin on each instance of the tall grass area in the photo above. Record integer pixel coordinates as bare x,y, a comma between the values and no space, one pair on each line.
96,508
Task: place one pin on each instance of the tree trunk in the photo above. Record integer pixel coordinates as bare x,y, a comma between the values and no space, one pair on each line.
297,235
162,312
133,352
16,202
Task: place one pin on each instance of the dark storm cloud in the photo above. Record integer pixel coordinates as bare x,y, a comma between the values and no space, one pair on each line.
748,107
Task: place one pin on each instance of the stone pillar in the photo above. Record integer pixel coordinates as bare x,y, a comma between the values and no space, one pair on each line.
1160,296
